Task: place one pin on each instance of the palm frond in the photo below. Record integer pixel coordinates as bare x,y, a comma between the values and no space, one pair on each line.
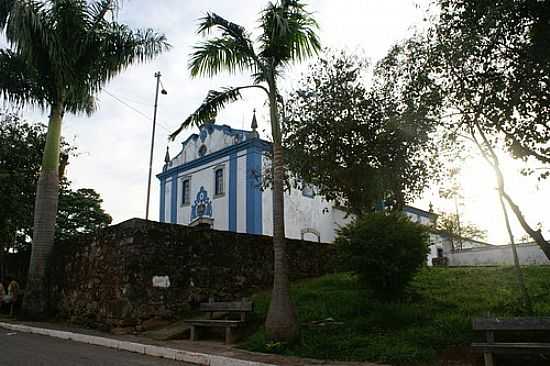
289,32
99,9
115,48
214,21
214,102
6,7
20,82
25,25
219,54
232,51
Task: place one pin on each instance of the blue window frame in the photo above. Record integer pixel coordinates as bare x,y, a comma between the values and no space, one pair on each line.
186,192
218,182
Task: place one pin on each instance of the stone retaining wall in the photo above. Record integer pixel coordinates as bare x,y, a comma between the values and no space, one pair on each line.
140,270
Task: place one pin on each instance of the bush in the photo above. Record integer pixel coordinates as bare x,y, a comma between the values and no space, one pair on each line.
384,251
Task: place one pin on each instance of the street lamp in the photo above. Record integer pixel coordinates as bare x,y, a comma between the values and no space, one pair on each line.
163,92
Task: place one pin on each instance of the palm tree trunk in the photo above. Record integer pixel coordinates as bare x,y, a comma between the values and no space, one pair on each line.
45,211
281,323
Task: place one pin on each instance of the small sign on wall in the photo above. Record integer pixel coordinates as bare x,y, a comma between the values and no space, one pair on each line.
161,281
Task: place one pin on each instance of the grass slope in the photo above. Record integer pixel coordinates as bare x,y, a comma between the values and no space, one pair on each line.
435,315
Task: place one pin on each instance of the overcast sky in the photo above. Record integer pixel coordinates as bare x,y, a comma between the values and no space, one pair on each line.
114,143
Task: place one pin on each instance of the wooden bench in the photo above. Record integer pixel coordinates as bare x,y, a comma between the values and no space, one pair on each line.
491,346
228,308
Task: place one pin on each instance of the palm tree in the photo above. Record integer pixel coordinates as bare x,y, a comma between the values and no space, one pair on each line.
62,52
288,34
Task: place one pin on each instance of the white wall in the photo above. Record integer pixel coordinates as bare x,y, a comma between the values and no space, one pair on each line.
301,213
498,255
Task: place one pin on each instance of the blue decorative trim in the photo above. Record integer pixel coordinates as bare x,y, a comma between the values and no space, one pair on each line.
174,201
202,207
162,199
253,190
260,145
208,128
232,215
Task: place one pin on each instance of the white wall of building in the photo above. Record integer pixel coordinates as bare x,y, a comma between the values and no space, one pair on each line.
498,255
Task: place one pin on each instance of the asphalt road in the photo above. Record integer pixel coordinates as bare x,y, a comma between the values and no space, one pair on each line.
23,349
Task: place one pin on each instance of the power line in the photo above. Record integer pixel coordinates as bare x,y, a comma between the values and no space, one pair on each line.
136,110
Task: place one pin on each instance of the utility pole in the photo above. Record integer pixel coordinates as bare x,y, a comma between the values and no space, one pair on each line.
157,75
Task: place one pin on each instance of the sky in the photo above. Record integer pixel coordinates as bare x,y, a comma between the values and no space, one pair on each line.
113,144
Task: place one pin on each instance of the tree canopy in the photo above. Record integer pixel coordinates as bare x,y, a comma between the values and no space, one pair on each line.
21,152
359,142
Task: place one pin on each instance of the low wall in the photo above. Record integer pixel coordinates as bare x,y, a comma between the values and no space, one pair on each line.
140,270
498,255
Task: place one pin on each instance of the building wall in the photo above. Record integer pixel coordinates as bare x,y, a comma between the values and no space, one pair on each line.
498,255
245,206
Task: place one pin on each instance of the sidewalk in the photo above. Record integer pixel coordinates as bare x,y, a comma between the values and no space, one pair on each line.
200,353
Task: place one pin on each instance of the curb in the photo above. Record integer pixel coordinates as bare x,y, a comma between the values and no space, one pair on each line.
145,349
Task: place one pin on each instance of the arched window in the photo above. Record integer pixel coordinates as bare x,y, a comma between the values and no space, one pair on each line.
218,182
202,151
186,191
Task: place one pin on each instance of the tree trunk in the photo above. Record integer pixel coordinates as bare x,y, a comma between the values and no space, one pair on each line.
281,323
521,283
536,235
45,211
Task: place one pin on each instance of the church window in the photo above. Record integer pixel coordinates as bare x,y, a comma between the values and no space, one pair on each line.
218,181
202,151
186,192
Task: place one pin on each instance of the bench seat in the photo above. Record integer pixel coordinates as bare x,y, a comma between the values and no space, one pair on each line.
519,324
215,323
503,347
242,308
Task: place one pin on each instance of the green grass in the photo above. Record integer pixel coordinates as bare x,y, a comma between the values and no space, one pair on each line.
435,314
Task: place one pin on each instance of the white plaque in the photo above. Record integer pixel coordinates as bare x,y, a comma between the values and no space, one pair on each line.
161,281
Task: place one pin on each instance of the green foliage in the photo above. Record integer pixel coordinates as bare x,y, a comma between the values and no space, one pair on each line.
63,52
436,314
384,251
457,230
493,56
287,34
358,142
21,152
80,212
20,157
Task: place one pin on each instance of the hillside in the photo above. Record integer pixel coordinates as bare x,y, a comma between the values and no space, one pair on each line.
432,323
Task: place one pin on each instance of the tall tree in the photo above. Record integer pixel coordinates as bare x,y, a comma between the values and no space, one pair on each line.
287,34
358,142
62,53
21,150
489,60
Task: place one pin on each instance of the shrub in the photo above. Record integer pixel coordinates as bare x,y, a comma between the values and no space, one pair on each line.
384,251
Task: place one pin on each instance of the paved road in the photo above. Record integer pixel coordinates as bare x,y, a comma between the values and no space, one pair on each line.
23,349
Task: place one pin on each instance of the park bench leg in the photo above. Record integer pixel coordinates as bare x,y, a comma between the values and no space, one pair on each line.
488,356
193,333
228,335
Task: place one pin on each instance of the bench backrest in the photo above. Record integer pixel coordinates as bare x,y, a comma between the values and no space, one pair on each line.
234,306
525,323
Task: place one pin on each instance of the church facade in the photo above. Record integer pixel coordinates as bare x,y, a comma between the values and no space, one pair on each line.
216,178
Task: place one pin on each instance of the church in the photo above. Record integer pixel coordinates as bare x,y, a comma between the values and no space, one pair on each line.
216,179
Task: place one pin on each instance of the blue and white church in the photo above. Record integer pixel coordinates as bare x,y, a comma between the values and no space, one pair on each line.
216,179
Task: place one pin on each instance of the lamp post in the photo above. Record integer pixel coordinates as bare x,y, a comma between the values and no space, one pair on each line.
164,92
